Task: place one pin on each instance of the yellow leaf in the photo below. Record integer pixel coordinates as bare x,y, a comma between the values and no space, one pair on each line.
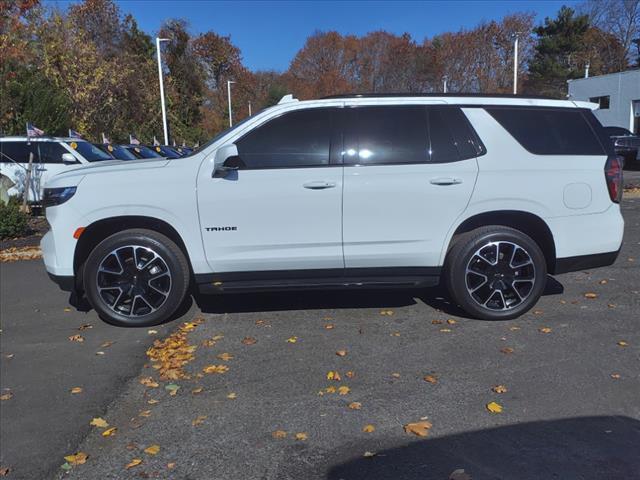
249,340
544,330
343,390
387,313
451,321
198,420
395,334
67,309
499,389
215,369
494,407
355,405
149,382
225,356
436,322
430,379
133,463
171,465
622,343
395,375
195,391
6,396
330,389
329,326
152,332
109,431
279,434
77,459
590,295
507,350
341,353
615,376
445,330
368,428
152,449
350,374
99,422
232,396
301,436
421,429
333,375
76,390
145,413
152,401
76,338
292,339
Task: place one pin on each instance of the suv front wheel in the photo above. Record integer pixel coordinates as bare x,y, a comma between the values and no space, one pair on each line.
136,278
495,272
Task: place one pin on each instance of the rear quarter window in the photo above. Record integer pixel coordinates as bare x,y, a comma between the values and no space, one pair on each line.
550,131
14,152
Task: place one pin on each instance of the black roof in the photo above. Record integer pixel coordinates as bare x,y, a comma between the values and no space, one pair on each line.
405,94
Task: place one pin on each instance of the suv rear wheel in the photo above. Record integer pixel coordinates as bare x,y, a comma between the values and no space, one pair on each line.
495,272
136,278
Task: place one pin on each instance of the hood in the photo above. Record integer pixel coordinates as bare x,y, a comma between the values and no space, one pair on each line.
73,176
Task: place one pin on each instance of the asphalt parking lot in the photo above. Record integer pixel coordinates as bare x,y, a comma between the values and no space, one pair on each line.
253,392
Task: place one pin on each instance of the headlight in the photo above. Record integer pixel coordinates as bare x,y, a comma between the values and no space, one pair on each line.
56,196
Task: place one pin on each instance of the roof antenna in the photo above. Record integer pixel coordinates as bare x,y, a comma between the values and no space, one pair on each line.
288,98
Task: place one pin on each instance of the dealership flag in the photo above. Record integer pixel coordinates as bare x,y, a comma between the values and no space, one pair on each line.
105,140
155,141
133,140
33,131
74,134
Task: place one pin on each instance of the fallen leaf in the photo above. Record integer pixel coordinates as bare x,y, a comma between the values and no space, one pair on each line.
603,282
611,305
590,295
355,405
197,390
343,390
109,431
395,334
368,454
330,389
149,382
451,321
292,339
152,332
131,446
544,330
499,389
85,326
6,396
538,312
4,471
301,436
341,353
77,458
67,309
9,356
622,343
198,420
387,313
279,434
75,390
514,328
225,356
152,401
99,422
329,326
436,322
368,428
615,376
395,375
171,465
232,396
421,429
507,350
172,388
215,369
333,375
445,330
145,413
249,340
99,352
459,474
430,379
494,407
106,344
76,338
152,449
133,463
350,374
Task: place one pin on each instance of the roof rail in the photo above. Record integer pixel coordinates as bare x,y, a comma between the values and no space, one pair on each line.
405,94
288,98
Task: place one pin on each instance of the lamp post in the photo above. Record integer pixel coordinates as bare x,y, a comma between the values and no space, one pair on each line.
229,82
160,76
444,84
515,62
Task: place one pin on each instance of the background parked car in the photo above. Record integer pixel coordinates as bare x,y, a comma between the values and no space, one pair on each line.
116,151
165,151
142,151
51,155
626,144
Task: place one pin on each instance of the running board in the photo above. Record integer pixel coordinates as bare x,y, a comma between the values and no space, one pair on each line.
301,280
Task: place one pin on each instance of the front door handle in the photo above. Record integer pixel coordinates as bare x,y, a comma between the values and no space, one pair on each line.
319,185
445,181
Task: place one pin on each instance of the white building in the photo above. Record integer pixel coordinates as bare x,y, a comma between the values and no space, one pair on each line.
618,95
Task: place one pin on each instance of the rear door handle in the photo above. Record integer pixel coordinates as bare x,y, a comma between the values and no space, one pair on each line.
319,185
445,181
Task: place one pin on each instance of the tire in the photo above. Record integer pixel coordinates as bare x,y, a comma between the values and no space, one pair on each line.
136,278
495,291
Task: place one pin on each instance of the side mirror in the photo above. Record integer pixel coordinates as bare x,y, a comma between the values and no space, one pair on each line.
68,158
222,165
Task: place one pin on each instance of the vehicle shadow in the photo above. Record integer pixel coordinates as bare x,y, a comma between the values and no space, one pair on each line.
436,297
576,448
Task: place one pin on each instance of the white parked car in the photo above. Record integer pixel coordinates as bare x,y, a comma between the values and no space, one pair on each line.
487,194
51,155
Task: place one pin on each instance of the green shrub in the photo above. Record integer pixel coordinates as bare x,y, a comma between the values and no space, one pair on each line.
13,222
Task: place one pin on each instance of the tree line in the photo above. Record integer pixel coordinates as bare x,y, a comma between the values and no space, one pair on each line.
91,68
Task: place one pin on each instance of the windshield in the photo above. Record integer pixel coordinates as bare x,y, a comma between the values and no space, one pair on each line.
90,151
118,151
141,151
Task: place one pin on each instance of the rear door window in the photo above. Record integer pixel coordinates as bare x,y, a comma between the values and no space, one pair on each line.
15,152
549,131
51,152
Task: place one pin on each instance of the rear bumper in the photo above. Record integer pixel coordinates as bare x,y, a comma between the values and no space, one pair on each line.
585,262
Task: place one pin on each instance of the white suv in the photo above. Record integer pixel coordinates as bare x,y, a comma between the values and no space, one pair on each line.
487,193
51,155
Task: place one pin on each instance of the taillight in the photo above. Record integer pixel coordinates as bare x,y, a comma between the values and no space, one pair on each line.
613,175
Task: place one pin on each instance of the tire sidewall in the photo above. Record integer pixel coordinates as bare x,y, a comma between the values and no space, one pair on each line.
460,256
164,248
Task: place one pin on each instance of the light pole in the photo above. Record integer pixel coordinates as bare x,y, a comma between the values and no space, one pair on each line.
444,83
249,108
515,63
229,82
164,108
